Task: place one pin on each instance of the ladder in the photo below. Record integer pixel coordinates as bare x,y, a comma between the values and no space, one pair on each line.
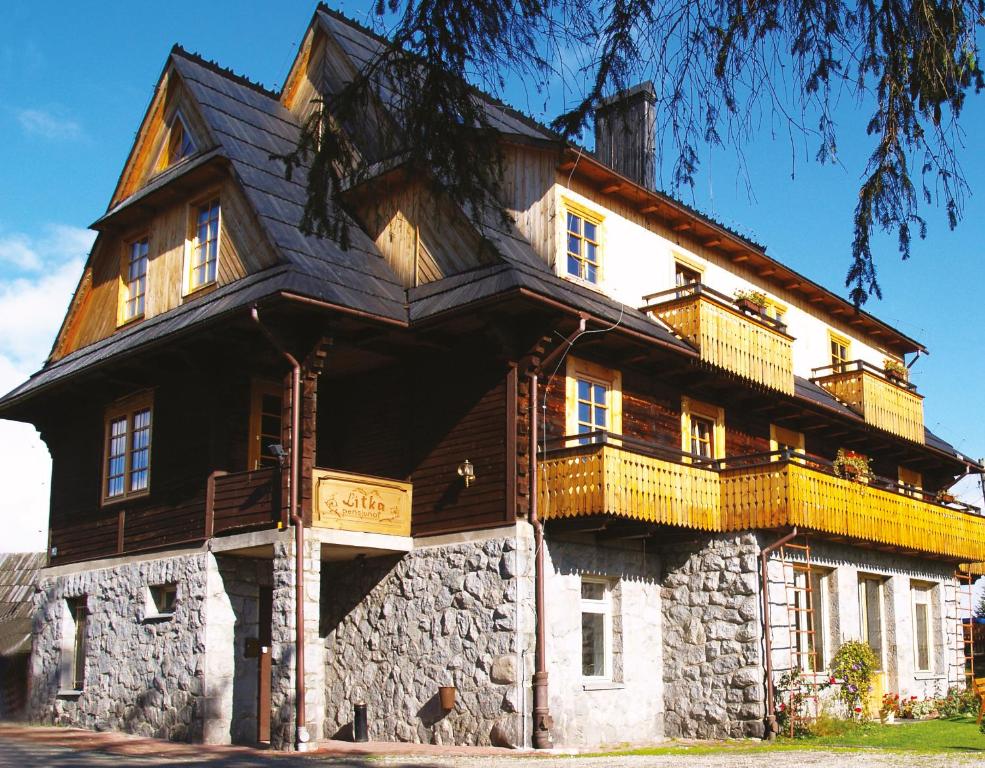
799,588
965,630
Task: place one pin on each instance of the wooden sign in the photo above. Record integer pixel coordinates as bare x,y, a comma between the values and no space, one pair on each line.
350,502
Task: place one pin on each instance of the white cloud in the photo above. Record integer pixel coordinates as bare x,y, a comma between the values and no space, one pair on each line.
17,250
31,310
38,122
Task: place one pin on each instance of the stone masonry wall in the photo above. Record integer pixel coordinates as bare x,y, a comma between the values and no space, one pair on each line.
142,675
397,628
713,673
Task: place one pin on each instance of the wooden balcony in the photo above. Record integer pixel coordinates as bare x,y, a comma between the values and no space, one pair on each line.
785,493
348,502
750,345
618,477
890,405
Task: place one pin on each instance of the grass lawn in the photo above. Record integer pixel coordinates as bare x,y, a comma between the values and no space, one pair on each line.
959,734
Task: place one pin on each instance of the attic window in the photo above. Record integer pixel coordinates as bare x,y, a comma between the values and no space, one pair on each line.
179,143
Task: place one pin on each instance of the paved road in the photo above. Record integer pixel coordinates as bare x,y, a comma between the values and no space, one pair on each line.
19,754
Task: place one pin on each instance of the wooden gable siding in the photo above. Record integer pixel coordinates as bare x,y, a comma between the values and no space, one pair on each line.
242,250
200,424
421,237
307,79
527,192
141,164
417,424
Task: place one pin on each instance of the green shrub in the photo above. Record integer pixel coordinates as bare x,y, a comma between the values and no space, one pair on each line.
958,701
854,665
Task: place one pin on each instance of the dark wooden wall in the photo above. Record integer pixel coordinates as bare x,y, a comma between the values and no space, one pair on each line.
417,422
200,424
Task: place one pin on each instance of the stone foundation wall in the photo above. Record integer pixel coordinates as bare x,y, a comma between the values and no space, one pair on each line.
142,675
397,628
713,665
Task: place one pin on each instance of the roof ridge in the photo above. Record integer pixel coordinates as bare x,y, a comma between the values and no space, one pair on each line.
225,72
488,97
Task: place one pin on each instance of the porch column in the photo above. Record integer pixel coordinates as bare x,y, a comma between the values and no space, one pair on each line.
283,651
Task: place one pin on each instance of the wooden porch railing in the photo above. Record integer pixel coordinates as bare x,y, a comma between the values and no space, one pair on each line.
893,406
755,347
615,476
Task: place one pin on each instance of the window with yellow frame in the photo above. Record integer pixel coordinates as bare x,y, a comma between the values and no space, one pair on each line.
266,413
910,481
841,351
133,279
202,245
686,271
783,439
702,429
583,242
593,399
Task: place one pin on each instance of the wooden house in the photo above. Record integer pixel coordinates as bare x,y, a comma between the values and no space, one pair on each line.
609,451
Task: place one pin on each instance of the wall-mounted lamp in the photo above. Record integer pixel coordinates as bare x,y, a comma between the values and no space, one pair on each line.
277,451
467,472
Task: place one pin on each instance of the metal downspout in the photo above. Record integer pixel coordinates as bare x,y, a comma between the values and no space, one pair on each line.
542,713
770,721
301,733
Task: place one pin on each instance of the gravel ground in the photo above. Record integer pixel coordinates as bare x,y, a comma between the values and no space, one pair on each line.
19,754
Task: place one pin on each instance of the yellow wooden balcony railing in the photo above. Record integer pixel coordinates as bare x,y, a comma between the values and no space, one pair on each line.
610,479
893,406
620,478
782,494
750,345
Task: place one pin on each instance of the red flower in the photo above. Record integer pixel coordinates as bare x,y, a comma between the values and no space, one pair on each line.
858,709
831,680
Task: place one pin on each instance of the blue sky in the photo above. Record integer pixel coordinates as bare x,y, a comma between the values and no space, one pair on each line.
74,84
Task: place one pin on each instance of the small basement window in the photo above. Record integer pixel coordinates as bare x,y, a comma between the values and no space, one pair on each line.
161,601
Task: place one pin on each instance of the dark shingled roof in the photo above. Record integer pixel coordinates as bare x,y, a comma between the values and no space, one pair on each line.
249,126
18,576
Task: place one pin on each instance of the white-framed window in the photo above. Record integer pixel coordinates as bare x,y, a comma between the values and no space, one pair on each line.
923,638
593,399
126,465
135,278
870,600
596,629
583,243
811,618
203,245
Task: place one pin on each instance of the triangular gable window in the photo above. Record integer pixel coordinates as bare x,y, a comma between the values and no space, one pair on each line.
179,143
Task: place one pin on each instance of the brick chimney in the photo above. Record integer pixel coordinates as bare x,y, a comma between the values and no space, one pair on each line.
625,128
